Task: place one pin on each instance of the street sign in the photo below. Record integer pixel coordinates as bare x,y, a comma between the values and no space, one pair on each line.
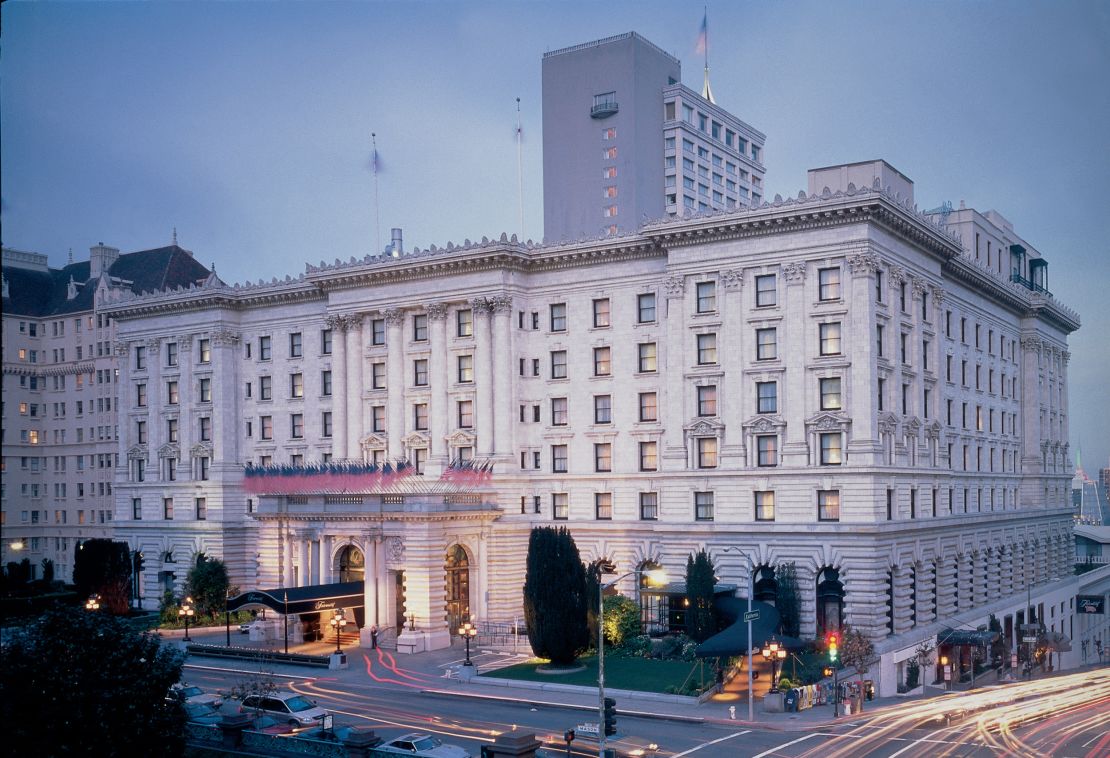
751,616
1029,639
587,728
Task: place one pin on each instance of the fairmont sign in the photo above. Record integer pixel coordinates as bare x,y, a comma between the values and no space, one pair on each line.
1090,604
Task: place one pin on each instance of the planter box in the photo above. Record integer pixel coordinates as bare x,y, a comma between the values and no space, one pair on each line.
772,702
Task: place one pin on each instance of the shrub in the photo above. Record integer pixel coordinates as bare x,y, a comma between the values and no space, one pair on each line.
622,619
555,596
638,647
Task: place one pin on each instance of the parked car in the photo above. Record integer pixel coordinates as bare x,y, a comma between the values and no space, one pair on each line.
201,713
193,694
295,710
269,725
424,746
245,627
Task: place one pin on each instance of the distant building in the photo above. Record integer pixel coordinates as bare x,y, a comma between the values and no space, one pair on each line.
625,142
60,417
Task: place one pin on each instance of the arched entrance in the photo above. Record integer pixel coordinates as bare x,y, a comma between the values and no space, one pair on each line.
352,564
830,601
654,608
766,585
457,566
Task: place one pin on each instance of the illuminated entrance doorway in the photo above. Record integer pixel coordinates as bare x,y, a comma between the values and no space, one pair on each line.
352,564
458,588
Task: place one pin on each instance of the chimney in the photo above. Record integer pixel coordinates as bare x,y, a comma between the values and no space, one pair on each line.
101,258
396,247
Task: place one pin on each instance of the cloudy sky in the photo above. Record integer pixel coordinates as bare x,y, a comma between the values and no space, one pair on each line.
246,125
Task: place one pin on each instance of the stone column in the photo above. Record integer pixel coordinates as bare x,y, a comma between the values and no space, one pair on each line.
395,381
156,391
189,396
125,399
1032,484
864,580
305,543
903,600
425,591
225,400
323,569
338,326
285,538
483,376
947,601
672,352
1005,559
863,446
439,378
370,583
354,385
225,424
381,584
736,396
501,367
795,346
993,580
979,557
926,588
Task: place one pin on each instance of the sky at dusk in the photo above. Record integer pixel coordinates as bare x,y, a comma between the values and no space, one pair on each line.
246,125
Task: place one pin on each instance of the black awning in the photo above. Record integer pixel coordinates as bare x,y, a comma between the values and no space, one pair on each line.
733,640
320,597
966,637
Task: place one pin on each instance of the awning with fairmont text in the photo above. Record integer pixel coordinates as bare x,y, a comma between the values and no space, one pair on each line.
292,600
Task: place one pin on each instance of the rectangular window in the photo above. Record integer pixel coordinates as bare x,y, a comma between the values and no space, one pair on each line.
296,385
603,409
767,397
265,388
828,284
420,372
140,432
464,323
830,394
645,306
325,424
325,342
296,346
558,313
466,414
601,313
137,508
707,452
558,411
558,459
266,427
171,393
649,456
903,349
171,353
767,450
377,418
707,297
703,506
140,395
140,358
647,362
377,376
603,506
296,425
325,383
707,349
202,508
171,430
264,348
558,364
649,506
828,505
707,400
205,350
765,506
167,508
420,328
766,344
649,406
603,456
766,292
466,369
420,417
560,508
602,361
830,338
830,449
377,331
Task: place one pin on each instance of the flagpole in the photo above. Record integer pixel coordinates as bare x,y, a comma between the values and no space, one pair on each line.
377,209
520,168
706,24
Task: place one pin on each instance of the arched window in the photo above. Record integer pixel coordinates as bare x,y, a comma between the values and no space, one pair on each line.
457,566
352,564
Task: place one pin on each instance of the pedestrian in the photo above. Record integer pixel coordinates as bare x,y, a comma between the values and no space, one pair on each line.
374,637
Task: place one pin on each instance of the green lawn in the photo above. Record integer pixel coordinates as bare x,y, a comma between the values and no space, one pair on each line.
642,674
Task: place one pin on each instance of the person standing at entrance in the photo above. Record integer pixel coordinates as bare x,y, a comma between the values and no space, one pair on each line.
374,637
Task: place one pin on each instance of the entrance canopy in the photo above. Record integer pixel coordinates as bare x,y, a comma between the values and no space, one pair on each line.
733,640
966,637
291,600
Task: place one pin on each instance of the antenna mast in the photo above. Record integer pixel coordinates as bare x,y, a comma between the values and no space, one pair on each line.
520,168
377,209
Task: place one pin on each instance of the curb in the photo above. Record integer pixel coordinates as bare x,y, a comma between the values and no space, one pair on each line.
565,706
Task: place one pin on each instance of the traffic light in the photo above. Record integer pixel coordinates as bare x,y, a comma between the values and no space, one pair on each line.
832,641
610,713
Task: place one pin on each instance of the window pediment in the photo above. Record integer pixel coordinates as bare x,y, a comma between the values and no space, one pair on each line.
704,427
372,441
461,438
169,450
201,450
415,439
137,453
828,422
764,424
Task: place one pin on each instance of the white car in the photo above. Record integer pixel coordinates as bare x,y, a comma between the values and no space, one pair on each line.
195,695
288,707
422,746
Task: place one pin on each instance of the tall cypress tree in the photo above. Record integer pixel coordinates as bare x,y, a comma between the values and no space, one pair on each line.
788,602
555,596
701,621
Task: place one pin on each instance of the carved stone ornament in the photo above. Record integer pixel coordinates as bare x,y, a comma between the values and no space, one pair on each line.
500,303
200,450
896,276
938,297
153,346
436,311
794,273
1031,343
480,306
919,288
395,550
1066,356
863,264
354,322
185,343
394,317
674,286
337,323
828,422
121,348
137,453
732,279
169,450
225,337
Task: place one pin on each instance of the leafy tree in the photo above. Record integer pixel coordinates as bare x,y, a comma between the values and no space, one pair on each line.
856,650
103,567
47,571
555,596
701,621
207,584
622,619
998,649
788,602
75,682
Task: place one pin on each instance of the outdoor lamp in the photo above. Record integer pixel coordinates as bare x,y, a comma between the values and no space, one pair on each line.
186,611
774,652
944,660
468,631
338,621
93,603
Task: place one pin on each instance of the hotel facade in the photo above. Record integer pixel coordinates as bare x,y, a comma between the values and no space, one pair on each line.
834,380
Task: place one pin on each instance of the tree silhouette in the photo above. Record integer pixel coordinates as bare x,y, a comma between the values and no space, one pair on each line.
555,596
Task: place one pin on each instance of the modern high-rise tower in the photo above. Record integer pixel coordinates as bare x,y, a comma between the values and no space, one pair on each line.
625,142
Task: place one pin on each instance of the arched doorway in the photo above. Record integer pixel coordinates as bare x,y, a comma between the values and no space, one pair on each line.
766,585
830,601
457,566
352,564
654,608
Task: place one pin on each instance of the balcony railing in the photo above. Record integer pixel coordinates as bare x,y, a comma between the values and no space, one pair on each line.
604,110
1019,279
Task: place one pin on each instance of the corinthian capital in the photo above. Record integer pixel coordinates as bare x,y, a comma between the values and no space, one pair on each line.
732,279
394,317
500,303
674,286
794,272
436,311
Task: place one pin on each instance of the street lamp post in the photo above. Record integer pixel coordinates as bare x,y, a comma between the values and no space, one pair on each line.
186,611
468,631
751,593
655,577
773,652
338,621
93,603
